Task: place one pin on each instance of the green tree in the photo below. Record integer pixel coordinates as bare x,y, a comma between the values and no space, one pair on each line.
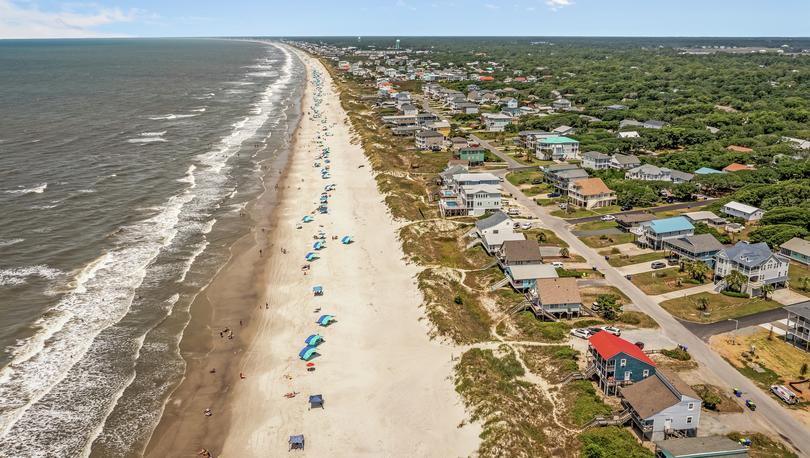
703,303
767,290
803,370
564,252
735,281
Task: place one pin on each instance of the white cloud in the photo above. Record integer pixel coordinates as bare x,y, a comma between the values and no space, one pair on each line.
558,4
491,6
24,21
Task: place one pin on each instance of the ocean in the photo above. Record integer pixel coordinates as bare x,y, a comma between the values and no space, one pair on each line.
125,166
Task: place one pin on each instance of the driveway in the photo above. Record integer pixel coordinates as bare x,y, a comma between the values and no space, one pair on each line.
639,268
707,288
780,419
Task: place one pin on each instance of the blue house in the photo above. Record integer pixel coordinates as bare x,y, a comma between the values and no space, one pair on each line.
617,362
655,233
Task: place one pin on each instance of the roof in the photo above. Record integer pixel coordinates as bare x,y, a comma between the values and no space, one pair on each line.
490,221
533,271
608,346
739,149
748,254
492,239
735,167
740,207
706,171
797,245
458,140
470,149
562,128
683,447
452,171
499,116
701,215
522,251
476,177
592,187
674,224
428,133
560,167
653,123
481,187
524,133
558,140
680,175
648,169
625,159
802,309
656,393
635,218
558,291
595,155
698,243
572,173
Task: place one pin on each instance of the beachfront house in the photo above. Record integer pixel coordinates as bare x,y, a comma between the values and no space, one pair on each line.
616,362
494,230
742,211
519,253
557,148
558,297
441,126
595,160
429,140
700,447
662,405
655,233
798,325
525,277
468,194
649,172
796,249
590,193
756,262
475,155
624,161
456,143
495,122
698,247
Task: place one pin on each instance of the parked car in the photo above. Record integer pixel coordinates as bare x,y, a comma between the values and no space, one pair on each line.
658,264
673,261
526,225
613,330
608,218
557,264
626,207
783,393
581,333
593,331
595,306
554,194
513,212
563,205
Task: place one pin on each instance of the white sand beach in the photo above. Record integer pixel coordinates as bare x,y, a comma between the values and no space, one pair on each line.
388,389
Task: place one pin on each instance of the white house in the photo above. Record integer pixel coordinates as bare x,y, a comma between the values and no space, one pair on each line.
471,194
649,172
756,262
661,405
428,139
624,161
496,229
595,160
590,193
495,122
740,210
557,148
628,134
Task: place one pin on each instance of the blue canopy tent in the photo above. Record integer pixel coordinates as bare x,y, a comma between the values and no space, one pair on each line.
307,353
296,442
316,400
307,219
314,340
325,320
317,290
318,245
347,239
311,256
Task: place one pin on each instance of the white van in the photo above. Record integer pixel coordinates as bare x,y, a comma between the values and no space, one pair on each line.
557,265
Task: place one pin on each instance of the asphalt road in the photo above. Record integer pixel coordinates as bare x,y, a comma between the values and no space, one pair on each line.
704,331
715,368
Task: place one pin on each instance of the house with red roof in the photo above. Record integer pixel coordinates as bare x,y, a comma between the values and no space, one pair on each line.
617,362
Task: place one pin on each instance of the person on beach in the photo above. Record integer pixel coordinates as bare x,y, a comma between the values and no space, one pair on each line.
241,376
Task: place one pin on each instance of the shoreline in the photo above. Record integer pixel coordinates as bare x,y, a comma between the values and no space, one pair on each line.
380,374
235,288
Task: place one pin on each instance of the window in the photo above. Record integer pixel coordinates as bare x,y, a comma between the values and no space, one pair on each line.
688,420
623,363
627,375
691,406
646,373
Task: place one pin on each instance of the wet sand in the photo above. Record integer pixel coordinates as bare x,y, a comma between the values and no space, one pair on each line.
387,387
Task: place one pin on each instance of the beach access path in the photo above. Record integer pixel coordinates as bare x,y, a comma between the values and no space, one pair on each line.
387,387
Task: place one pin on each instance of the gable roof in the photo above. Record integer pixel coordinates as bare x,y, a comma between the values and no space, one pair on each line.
592,187
797,245
494,240
683,447
450,172
735,167
572,173
428,133
595,155
740,207
626,159
496,218
748,254
539,272
521,251
558,290
706,171
608,346
739,149
802,309
674,224
558,140
698,243
556,168
655,393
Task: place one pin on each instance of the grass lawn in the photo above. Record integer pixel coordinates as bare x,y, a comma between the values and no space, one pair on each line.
525,177
612,441
550,237
663,281
575,212
595,225
716,399
602,241
535,190
763,446
590,293
620,260
774,362
584,403
721,307
799,278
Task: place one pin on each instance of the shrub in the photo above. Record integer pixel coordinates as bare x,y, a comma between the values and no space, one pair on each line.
677,353
730,293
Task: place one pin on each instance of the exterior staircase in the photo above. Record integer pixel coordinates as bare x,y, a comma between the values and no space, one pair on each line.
720,286
474,243
589,372
503,282
523,305
616,420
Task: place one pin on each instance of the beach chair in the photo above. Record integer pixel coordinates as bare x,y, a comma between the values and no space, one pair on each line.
296,442
307,219
307,353
347,239
311,256
314,340
325,320
316,400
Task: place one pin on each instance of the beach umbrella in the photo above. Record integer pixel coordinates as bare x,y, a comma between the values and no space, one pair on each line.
324,320
318,245
347,239
307,219
313,340
307,352
310,364
311,256
317,290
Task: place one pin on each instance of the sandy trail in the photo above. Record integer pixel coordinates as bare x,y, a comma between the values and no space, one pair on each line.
387,387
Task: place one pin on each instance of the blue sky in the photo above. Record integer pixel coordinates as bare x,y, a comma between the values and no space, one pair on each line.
151,18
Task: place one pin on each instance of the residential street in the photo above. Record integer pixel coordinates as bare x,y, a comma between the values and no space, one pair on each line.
721,372
704,331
